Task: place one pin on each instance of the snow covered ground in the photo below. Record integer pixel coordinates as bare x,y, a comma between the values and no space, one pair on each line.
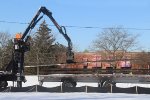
72,96
33,80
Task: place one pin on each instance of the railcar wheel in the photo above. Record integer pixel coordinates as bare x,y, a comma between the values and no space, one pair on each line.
68,83
3,84
108,83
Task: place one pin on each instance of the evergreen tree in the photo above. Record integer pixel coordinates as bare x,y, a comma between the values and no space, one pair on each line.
44,39
41,46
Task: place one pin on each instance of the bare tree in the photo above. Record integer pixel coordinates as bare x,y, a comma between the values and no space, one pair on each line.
4,38
4,50
114,42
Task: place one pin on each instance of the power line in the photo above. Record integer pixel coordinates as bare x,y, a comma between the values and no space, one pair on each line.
72,26
12,22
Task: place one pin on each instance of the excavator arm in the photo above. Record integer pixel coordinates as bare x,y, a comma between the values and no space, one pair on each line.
61,29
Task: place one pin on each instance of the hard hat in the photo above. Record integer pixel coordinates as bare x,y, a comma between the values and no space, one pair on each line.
18,36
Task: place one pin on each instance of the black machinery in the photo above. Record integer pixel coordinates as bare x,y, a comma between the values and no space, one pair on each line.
15,69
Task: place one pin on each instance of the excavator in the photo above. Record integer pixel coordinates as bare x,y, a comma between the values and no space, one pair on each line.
15,68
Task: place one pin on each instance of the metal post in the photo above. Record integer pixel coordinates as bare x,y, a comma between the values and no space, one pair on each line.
111,88
36,88
37,57
136,89
61,88
86,88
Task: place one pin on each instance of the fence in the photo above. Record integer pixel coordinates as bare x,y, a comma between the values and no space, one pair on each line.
86,89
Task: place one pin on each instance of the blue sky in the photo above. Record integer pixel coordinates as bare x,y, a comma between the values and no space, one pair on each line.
94,13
